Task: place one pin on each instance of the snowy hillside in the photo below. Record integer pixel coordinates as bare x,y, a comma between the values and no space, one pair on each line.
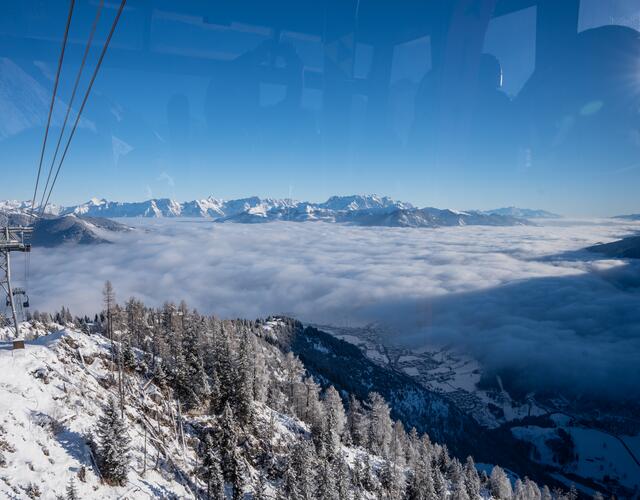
208,408
51,396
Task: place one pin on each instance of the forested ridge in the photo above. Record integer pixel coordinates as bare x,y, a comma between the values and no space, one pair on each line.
227,410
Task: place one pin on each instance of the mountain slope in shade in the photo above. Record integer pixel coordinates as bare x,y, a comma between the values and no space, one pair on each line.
524,213
52,231
626,248
633,217
343,365
74,230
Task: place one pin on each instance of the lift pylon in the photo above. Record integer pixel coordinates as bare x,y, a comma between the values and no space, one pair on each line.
12,239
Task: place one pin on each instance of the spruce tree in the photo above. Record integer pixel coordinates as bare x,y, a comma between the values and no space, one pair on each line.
243,381
420,484
379,425
289,485
357,422
500,484
128,357
223,368
231,461
439,482
159,375
191,384
343,478
459,490
532,489
260,491
113,445
398,445
210,470
335,421
392,481
302,463
72,492
325,482
519,491
471,478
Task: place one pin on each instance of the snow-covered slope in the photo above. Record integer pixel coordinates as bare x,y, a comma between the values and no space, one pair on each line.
50,399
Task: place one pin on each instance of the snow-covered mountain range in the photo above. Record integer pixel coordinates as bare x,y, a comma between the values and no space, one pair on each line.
360,210
217,208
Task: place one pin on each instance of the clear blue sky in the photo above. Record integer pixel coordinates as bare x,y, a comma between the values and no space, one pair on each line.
196,101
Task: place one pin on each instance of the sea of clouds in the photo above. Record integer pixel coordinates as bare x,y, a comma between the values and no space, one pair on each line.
518,298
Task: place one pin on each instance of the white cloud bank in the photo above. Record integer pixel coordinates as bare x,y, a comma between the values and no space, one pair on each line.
494,291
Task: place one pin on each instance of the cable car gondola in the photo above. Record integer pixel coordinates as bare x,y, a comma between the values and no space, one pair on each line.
20,297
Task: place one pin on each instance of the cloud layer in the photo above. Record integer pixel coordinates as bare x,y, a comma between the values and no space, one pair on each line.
512,296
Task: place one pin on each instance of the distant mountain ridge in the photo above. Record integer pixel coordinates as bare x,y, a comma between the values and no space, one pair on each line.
525,213
626,248
358,210
633,217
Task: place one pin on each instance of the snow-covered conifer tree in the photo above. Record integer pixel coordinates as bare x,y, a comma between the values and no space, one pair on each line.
210,470
231,461
357,422
113,445
72,492
500,484
379,424
471,478
335,418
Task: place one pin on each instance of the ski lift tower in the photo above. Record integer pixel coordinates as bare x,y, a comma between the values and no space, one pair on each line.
12,239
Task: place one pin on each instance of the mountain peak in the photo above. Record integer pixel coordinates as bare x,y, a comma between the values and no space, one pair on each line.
362,202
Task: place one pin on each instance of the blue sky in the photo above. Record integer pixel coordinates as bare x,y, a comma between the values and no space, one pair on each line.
194,103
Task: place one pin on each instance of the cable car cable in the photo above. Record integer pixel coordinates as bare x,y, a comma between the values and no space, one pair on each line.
53,99
84,101
73,95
